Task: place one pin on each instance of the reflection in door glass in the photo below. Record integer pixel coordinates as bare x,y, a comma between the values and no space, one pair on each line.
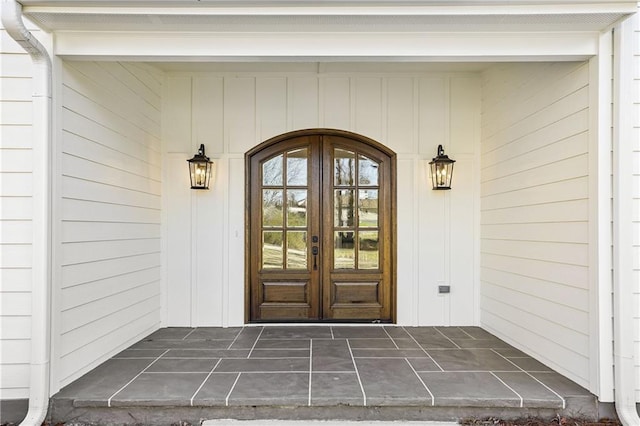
272,171
297,167
297,207
344,167
368,208
367,171
296,250
272,207
344,206
272,255
344,250
368,250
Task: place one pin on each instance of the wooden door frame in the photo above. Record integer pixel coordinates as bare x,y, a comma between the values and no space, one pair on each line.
247,207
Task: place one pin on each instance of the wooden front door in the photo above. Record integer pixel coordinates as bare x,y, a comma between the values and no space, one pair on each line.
320,222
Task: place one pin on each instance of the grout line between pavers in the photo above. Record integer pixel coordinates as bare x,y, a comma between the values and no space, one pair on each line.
189,334
433,398
310,368
564,402
510,388
233,386
136,376
353,360
204,381
276,349
133,357
234,340
175,372
201,357
470,336
265,371
423,350
394,342
447,337
255,343
468,371
203,349
331,329
316,338
264,357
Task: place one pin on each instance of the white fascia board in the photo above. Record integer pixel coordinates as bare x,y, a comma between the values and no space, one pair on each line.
325,46
364,9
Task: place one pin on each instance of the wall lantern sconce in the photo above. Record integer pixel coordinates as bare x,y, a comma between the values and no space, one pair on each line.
200,170
441,170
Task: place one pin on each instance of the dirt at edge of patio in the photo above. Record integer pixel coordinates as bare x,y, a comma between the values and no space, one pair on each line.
532,421
527,421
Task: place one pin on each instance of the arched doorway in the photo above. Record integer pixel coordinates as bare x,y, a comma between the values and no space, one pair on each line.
320,217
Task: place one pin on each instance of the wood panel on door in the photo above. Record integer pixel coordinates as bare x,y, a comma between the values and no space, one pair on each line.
320,230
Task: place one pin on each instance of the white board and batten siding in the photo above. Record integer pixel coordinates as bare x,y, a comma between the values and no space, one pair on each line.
16,214
535,290
108,252
410,112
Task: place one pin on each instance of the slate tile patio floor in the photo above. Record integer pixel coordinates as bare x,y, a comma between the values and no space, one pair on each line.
323,366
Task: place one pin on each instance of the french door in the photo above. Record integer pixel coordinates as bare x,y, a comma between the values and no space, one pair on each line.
320,223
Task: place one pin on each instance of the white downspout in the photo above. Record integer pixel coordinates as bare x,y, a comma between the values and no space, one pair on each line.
623,282
41,268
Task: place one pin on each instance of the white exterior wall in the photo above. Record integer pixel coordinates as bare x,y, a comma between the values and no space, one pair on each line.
230,112
107,251
535,211
16,235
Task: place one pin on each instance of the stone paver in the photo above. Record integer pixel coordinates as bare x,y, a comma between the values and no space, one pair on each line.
322,366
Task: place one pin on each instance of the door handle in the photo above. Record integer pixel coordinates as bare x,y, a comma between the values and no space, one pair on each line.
314,251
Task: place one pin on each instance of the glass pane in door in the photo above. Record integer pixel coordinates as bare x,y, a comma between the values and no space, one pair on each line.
356,222
272,256
272,207
297,167
368,208
344,167
344,251
297,208
296,250
368,249
284,210
344,208
367,171
272,171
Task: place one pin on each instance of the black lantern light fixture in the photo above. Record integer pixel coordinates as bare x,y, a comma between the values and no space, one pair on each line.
200,170
441,170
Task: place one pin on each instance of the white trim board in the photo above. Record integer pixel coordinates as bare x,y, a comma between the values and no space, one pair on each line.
203,47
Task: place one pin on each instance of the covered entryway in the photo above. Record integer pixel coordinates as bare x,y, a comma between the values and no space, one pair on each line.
522,241
320,221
